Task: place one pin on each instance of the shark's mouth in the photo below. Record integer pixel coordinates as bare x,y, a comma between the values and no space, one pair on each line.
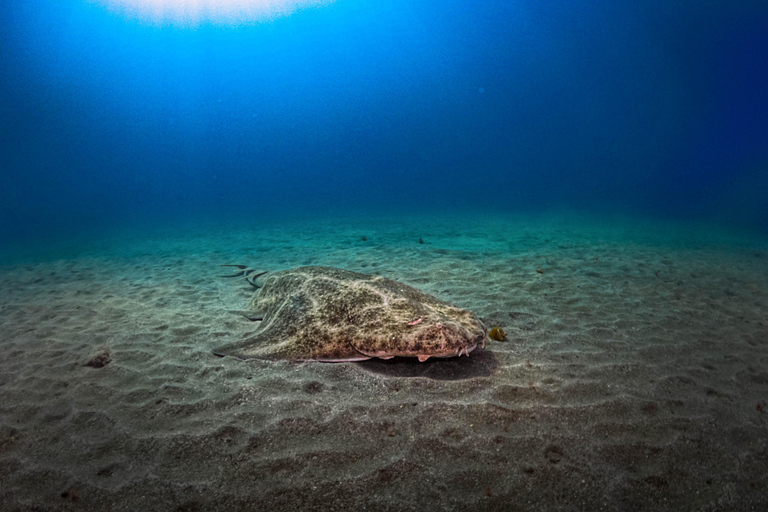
422,357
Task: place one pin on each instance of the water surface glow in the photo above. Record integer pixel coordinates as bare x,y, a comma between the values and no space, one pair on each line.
196,12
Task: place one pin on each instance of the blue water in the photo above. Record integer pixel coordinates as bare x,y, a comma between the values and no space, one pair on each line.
651,109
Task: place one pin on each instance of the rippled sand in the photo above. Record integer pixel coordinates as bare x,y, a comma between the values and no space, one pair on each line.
634,375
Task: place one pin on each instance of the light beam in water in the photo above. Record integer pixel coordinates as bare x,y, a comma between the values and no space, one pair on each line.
197,12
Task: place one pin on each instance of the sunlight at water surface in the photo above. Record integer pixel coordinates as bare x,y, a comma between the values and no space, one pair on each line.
196,12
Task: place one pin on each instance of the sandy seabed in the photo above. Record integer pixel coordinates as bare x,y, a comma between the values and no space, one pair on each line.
634,375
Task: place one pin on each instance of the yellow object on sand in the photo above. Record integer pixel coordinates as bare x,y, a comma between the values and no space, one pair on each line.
497,334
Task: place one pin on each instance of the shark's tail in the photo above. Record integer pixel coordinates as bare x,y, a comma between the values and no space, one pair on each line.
249,274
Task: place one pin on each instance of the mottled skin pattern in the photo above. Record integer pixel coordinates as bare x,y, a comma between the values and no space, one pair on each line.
330,314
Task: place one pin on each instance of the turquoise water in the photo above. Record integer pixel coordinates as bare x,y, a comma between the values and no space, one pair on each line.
654,112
